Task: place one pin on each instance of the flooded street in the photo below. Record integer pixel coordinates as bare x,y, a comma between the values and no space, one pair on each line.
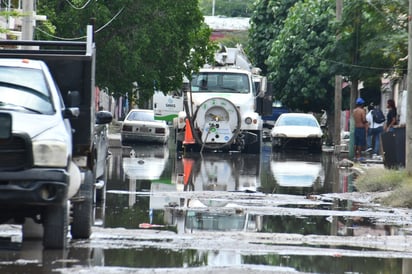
289,212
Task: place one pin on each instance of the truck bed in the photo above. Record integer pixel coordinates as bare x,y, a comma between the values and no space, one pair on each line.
72,66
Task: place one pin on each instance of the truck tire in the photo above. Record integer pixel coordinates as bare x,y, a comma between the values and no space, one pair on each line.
55,225
81,226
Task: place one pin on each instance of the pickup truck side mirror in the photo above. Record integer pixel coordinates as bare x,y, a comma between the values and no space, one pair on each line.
103,117
73,99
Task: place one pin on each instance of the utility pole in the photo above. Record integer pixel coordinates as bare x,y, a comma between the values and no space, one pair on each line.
28,20
213,8
408,130
338,85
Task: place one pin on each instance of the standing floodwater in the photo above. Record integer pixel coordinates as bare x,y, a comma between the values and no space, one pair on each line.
233,212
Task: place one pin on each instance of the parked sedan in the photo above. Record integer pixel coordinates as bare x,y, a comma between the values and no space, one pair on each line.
297,130
141,126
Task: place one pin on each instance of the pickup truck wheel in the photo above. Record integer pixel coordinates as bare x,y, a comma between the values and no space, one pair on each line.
55,225
81,226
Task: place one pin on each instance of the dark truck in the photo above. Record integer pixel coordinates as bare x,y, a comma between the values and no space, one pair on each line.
277,109
53,143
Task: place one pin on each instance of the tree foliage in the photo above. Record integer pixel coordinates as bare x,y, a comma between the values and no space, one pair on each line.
296,43
147,42
266,23
300,77
372,39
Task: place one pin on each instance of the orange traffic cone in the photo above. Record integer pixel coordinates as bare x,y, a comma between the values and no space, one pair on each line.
188,134
187,170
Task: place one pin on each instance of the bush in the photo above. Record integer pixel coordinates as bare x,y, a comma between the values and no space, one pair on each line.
379,179
402,196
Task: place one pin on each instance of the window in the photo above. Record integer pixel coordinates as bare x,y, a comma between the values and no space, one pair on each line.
221,82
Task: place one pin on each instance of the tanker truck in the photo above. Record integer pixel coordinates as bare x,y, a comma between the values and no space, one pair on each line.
223,106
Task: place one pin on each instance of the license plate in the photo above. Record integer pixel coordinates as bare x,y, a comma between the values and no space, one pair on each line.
5,126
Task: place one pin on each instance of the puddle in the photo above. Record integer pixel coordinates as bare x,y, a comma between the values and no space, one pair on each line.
163,204
230,213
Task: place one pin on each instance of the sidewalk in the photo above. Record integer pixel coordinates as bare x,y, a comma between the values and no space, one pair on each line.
342,152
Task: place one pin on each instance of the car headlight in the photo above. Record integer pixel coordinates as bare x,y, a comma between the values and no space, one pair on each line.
50,153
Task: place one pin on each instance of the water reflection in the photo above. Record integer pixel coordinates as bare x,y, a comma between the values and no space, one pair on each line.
155,188
145,162
154,170
298,173
158,204
219,172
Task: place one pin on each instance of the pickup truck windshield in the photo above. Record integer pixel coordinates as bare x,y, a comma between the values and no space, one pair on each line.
24,89
220,82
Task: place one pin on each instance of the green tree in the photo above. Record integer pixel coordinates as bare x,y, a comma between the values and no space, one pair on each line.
266,23
147,42
298,47
300,77
373,40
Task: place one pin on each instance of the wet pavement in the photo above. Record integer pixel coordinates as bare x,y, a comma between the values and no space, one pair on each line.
289,212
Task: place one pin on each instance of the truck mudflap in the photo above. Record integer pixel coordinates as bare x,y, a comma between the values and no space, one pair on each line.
33,187
252,142
249,137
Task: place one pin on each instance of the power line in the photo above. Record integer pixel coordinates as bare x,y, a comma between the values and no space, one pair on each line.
82,37
384,15
358,66
78,8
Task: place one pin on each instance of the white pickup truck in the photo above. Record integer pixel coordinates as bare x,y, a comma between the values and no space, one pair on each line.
53,144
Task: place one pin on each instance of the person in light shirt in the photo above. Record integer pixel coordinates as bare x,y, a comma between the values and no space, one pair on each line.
374,132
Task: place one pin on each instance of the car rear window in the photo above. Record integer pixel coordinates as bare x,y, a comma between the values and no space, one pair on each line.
141,116
297,121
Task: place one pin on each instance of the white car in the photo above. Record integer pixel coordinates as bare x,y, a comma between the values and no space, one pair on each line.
141,126
297,130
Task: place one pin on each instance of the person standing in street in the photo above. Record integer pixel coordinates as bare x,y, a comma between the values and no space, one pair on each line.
374,131
361,126
391,116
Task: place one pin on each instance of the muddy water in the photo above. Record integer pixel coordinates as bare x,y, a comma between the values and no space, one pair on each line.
226,213
143,200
